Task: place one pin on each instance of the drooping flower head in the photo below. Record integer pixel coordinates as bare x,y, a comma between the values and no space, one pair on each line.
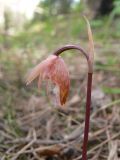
54,69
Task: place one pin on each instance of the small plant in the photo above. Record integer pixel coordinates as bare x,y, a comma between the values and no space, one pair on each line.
55,70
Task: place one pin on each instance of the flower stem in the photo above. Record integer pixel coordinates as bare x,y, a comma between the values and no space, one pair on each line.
87,116
68,47
88,97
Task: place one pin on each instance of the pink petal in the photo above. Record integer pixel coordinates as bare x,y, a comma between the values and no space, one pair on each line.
53,68
40,69
60,76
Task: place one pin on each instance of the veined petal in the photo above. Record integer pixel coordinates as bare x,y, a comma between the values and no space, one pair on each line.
34,74
60,76
41,69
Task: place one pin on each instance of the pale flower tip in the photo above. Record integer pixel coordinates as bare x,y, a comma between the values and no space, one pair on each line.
33,74
28,80
27,83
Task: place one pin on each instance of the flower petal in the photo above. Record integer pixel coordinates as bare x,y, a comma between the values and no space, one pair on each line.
34,74
41,69
60,76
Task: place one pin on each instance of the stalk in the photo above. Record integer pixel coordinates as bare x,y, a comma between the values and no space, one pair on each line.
88,95
87,116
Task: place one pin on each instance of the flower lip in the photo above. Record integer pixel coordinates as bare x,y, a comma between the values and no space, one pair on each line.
54,69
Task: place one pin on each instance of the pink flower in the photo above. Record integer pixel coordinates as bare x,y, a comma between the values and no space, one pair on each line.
54,69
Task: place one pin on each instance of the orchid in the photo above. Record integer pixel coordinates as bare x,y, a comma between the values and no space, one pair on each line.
54,69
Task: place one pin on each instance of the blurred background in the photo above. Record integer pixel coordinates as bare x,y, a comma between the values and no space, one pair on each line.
30,30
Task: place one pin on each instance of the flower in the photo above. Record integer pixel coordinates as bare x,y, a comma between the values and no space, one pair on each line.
54,69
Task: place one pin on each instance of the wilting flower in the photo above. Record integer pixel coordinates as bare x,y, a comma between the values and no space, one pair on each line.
54,69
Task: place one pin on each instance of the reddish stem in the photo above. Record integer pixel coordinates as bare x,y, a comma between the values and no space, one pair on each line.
87,116
88,97
68,47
